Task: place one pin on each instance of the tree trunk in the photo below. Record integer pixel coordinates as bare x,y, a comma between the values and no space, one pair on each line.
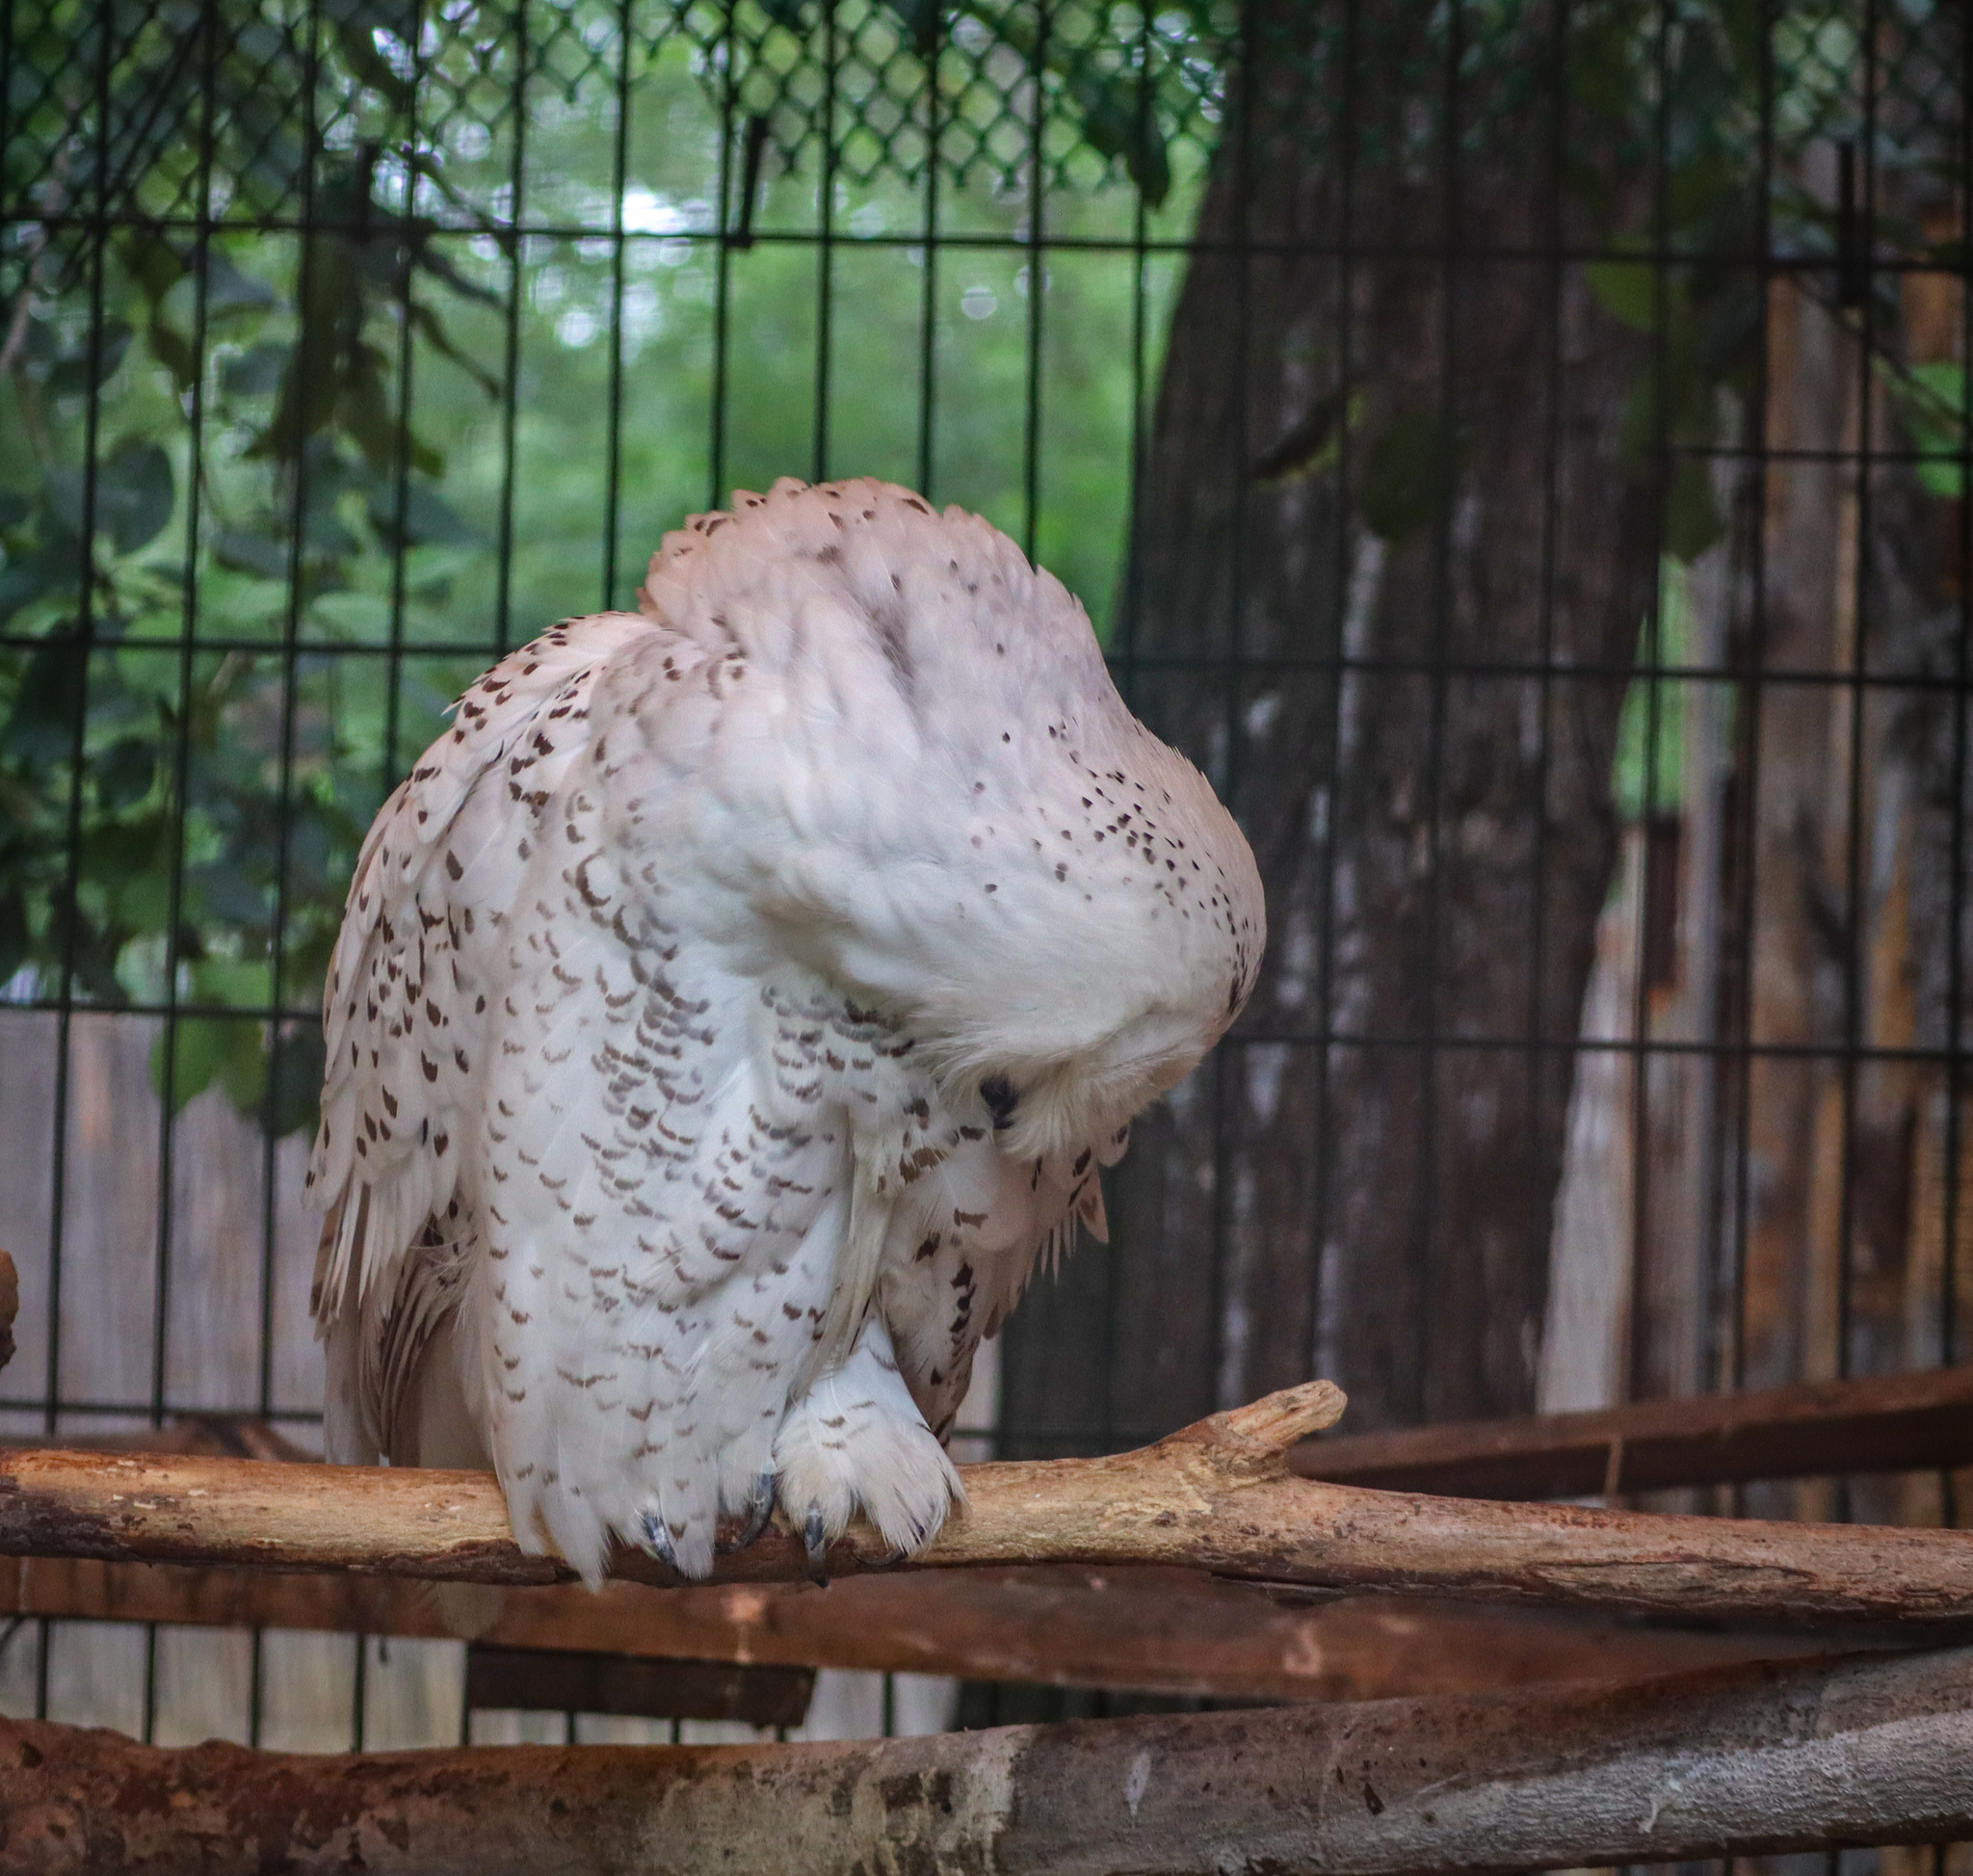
1388,447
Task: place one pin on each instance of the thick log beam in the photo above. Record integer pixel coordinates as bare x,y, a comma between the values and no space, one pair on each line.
1216,1496
1148,1630
1807,1757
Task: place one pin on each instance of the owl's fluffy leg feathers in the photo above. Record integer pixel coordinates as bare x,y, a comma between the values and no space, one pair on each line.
855,1438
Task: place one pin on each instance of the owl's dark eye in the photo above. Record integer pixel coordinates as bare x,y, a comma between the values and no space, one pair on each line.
997,1091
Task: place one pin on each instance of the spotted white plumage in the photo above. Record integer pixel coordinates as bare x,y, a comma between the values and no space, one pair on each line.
732,1007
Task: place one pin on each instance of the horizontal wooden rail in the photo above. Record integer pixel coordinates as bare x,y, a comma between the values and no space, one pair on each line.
1884,1423
1810,1755
1215,1496
1145,1629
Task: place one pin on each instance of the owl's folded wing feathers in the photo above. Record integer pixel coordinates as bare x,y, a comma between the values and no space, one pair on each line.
406,998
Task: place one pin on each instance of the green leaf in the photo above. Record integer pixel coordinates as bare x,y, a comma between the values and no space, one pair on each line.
1409,473
251,553
429,520
226,895
1693,520
255,372
41,728
50,569
227,290
1626,289
136,493
206,1049
84,368
124,771
16,942
295,1096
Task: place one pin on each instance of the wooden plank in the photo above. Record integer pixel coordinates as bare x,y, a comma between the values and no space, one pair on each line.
1814,1755
1216,1496
567,1680
1890,1423
1146,1629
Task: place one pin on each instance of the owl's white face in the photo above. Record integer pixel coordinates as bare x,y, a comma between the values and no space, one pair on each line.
1090,1094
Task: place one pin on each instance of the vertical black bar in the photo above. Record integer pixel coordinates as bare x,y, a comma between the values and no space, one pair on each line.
1123,629
723,264
6,80
148,1732
1030,419
620,174
1538,1041
510,374
188,634
1747,762
825,247
927,297
1321,1170
1426,1197
1859,264
401,441
96,224
1962,681
291,679
1649,669
360,1684
1219,1090
257,1689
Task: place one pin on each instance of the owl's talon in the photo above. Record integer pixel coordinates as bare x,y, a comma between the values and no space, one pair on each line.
815,1538
760,1507
657,1537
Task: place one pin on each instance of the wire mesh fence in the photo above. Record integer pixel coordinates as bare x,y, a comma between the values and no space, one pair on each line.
1520,451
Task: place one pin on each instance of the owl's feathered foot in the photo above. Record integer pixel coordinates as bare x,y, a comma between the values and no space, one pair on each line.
815,1540
760,1507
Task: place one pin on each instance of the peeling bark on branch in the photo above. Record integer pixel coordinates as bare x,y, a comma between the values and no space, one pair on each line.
1215,1496
1810,1755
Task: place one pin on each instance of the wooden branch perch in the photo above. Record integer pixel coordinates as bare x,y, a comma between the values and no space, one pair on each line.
1216,1496
1810,1755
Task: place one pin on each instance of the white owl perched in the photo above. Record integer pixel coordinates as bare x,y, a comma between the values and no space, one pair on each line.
729,1010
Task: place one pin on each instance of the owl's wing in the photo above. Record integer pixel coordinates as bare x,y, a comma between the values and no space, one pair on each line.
403,1013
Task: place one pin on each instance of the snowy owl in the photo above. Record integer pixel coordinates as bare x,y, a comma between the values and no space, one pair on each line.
731,1008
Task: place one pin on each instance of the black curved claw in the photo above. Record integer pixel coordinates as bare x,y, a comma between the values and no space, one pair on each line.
814,1538
760,1507
657,1534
